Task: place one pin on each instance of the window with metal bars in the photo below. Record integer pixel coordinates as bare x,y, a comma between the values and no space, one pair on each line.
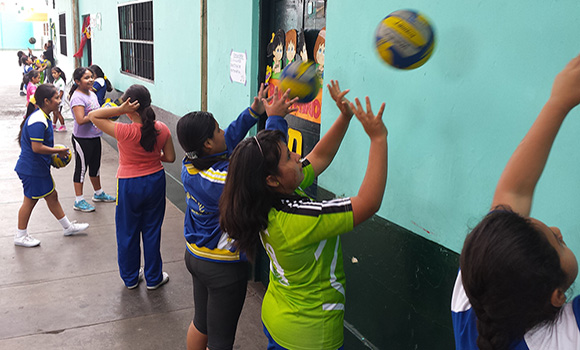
136,38
62,33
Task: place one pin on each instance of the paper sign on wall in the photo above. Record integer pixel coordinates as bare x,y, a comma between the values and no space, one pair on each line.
238,67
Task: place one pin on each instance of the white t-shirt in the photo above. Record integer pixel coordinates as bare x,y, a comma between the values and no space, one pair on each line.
59,84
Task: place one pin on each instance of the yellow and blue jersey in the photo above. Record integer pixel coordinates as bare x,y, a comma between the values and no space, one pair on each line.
36,128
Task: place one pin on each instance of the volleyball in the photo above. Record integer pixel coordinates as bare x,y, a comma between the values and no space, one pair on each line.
405,39
59,162
302,79
108,104
32,40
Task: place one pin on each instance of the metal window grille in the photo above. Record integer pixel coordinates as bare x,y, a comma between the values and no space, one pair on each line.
136,38
62,33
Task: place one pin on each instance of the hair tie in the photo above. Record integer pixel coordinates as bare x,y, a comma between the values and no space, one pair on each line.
260,147
105,77
191,155
32,100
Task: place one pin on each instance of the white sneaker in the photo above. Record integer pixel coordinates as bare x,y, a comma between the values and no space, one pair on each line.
164,280
75,228
26,241
139,279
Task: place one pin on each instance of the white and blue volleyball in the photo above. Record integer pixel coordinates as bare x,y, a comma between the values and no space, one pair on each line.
60,162
405,39
302,79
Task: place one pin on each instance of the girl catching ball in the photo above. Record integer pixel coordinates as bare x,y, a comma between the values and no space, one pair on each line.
36,139
515,270
263,200
218,270
143,145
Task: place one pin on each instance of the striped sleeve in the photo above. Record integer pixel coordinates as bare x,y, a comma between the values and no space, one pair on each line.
304,222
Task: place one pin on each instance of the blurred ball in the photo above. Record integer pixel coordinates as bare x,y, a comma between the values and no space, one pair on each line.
405,39
59,162
108,104
302,79
32,40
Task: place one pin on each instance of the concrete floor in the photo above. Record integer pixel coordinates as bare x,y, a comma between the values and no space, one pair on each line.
67,293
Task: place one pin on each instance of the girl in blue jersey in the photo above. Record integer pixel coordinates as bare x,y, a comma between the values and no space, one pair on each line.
515,270
263,199
218,270
101,85
36,139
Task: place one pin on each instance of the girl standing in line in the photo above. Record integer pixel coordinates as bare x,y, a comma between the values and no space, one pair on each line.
143,145
59,82
218,270
31,80
36,139
510,292
86,140
101,84
263,200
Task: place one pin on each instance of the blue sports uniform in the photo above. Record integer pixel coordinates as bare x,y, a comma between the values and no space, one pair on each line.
36,128
564,334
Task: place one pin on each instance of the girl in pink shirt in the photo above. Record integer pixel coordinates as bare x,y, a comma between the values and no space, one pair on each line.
143,145
32,79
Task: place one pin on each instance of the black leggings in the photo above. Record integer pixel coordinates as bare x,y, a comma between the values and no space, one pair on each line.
87,156
219,292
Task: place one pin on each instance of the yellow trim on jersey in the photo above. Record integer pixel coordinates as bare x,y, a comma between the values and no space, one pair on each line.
214,254
210,174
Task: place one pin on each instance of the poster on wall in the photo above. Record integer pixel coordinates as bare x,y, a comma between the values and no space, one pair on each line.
304,124
238,67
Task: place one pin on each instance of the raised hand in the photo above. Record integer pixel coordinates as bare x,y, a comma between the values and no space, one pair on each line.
258,104
128,106
373,124
279,105
566,87
339,97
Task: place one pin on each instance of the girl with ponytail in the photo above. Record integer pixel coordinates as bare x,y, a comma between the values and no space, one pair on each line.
143,145
510,292
36,139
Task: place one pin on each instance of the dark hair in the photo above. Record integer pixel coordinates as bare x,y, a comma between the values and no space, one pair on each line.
23,59
62,75
100,74
192,130
278,39
20,54
149,134
509,271
77,75
246,198
44,91
32,74
301,44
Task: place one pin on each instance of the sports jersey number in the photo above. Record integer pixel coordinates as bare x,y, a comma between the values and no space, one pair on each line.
295,141
275,266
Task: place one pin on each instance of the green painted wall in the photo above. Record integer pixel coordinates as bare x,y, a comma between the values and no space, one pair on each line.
176,51
232,26
14,33
454,122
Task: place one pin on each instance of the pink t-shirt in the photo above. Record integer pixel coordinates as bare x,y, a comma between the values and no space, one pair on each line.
134,161
30,90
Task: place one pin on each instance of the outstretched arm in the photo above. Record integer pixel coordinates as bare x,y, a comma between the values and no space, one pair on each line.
323,153
371,191
518,181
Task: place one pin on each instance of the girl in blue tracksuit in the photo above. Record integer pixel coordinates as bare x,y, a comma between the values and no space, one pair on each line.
219,271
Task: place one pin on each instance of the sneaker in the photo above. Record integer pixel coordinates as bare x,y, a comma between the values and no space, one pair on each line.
163,281
103,197
62,128
22,93
83,206
138,280
26,241
75,228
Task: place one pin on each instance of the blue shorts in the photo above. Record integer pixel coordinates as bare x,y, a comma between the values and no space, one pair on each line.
37,187
272,345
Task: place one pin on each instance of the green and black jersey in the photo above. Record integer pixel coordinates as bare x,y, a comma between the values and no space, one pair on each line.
304,305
